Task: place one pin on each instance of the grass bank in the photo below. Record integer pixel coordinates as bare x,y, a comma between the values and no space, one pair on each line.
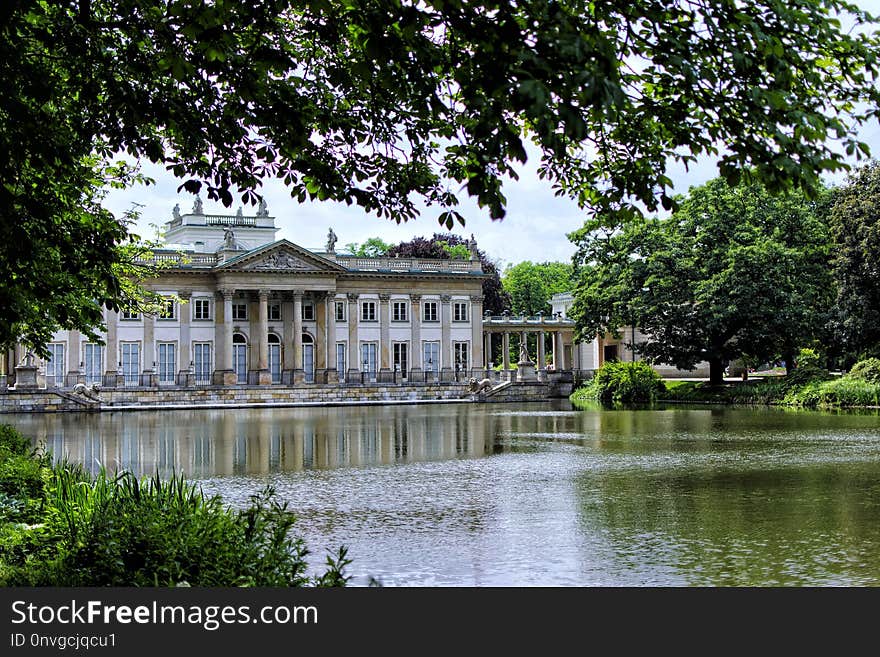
808,386
59,526
842,392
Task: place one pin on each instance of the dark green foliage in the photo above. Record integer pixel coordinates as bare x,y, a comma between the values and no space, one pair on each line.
386,104
735,272
627,383
121,531
855,224
867,370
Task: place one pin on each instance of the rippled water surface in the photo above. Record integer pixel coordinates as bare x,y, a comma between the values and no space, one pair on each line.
532,494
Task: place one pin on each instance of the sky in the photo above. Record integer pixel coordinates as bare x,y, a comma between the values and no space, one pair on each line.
535,227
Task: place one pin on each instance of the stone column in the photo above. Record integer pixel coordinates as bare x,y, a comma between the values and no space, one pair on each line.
478,359
288,364
505,350
264,376
553,343
73,353
487,349
321,337
224,375
353,371
111,366
299,374
560,351
384,337
332,373
542,358
524,340
446,336
185,358
415,317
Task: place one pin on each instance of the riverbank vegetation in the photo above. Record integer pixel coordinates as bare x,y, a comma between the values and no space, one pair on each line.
60,526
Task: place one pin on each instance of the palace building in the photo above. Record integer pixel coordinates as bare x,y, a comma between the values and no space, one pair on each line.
245,308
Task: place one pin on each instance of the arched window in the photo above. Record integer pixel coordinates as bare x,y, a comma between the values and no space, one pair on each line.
275,357
308,363
240,357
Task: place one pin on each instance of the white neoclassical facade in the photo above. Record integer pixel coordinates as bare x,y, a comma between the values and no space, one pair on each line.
245,308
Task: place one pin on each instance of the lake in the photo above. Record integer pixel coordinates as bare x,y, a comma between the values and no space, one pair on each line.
531,494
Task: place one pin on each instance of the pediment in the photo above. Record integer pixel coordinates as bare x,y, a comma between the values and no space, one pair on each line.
282,256
280,260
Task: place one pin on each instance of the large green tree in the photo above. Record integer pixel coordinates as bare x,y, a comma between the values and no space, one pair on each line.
530,285
855,222
734,272
380,102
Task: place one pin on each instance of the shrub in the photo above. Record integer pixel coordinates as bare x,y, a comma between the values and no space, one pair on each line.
61,527
842,392
866,370
124,532
627,383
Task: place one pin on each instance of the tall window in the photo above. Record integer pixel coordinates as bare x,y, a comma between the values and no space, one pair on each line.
130,315
93,362
429,311
274,312
340,360
167,362
168,309
308,364
275,357
202,362
460,311
460,354
340,311
431,356
398,311
239,357
239,311
308,312
131,362
201,308
55,364
400,353
368,311
368,359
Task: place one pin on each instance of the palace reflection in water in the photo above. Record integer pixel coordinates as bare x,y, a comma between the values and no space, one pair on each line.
213,443
531,494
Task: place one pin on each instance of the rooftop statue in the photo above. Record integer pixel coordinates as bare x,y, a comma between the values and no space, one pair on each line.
331,242
197,206
238,213
176,211
228,238
262,208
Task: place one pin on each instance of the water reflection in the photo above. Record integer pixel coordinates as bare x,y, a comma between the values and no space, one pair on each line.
213,443
533,494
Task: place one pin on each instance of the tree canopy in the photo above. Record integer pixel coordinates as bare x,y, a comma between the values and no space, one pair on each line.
381,103
855,222
531,285
735,272
373,247
446,246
